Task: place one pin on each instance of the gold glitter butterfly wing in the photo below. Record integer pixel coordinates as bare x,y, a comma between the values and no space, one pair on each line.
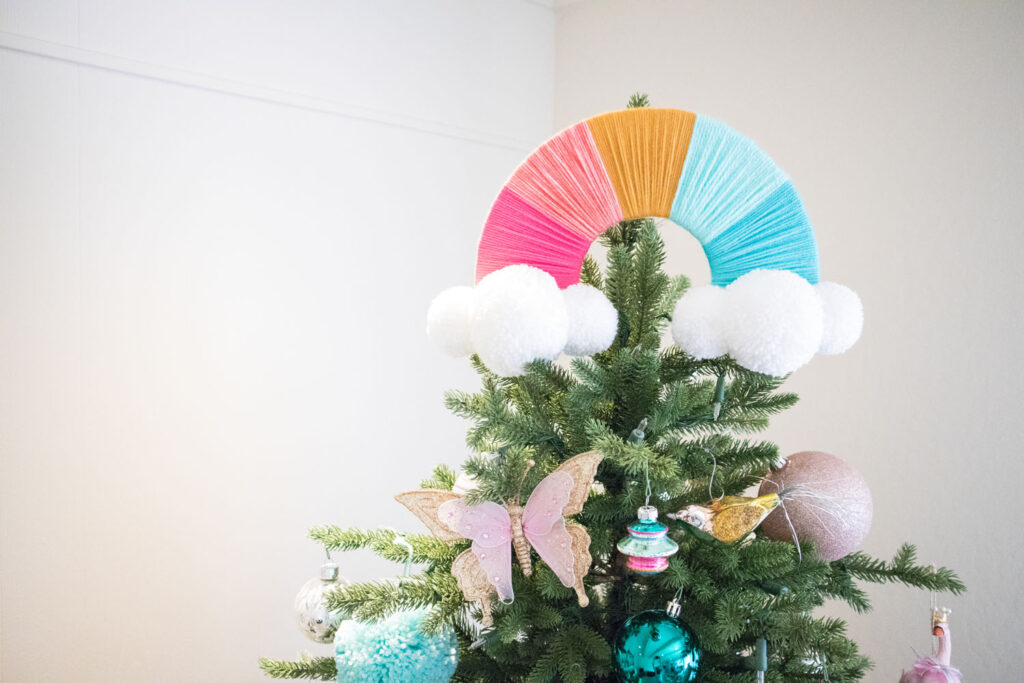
473,583
424,503
469,575
582,560
582,468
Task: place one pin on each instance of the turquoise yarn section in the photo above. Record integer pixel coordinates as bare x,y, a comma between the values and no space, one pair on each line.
741,206
776,235
394,650
725,176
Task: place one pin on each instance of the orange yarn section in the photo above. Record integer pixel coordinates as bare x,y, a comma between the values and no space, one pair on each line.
643,151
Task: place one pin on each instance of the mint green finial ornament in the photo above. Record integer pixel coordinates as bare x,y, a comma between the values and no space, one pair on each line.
656,647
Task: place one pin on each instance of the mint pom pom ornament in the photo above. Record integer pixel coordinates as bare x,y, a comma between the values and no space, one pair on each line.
394,650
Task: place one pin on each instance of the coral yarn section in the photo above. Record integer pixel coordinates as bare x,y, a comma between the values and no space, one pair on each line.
643,152
566,180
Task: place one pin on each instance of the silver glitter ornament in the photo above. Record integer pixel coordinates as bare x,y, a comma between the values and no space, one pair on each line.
316,621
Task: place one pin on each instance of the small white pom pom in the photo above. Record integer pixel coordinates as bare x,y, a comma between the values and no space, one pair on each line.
593,320
518,316
843,317
448,320
697,322
774,322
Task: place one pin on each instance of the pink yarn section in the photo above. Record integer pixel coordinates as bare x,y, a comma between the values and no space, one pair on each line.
566,179
516,232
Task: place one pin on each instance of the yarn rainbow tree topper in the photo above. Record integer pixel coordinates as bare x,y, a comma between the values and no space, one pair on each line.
765,305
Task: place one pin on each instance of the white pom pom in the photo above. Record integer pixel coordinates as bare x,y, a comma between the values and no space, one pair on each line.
519,316
774,321
697,322
593,320
448,320
843,317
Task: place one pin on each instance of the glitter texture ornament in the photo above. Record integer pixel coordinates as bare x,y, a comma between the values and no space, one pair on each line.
656,647
824,500
315,620
729,518
647,546
394,650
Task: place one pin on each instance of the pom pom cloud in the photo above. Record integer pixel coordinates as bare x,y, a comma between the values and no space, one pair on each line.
518,314
769,321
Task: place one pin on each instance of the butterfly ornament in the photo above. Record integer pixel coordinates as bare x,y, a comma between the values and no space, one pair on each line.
496,530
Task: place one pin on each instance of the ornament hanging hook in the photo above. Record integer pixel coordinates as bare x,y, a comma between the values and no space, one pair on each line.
519,492
636,437
401,540
711,479
647,477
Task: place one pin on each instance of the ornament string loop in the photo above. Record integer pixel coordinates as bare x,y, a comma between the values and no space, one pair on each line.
647,476
401,540
711,479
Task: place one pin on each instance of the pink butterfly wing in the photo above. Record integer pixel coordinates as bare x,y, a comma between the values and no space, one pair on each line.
490,528
544,525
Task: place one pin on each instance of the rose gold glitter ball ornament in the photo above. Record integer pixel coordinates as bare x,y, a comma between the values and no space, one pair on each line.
827,501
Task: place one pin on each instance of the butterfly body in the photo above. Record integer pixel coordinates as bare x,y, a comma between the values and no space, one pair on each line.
519,542
498,530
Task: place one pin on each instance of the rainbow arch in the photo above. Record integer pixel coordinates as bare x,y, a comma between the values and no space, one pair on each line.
697,172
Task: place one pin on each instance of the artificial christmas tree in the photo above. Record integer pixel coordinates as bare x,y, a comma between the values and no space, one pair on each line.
668,431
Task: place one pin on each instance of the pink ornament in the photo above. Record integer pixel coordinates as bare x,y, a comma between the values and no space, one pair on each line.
935,669
824,501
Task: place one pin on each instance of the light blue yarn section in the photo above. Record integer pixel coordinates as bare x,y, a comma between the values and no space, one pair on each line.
724,177
741,206
394,650
776,235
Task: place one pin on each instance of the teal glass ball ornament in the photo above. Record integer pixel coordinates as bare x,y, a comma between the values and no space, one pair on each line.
656,647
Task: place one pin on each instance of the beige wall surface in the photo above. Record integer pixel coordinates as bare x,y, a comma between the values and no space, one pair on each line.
221,223
901,125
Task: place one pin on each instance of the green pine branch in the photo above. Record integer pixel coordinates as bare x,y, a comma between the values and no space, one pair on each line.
308,667
902,568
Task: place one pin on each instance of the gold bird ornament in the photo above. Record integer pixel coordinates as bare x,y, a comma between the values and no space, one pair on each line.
729,518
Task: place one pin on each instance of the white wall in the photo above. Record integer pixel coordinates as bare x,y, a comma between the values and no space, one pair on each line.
220,226
901,124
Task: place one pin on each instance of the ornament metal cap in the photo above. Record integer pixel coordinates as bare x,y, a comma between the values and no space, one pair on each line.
647,513
329,571
673,609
